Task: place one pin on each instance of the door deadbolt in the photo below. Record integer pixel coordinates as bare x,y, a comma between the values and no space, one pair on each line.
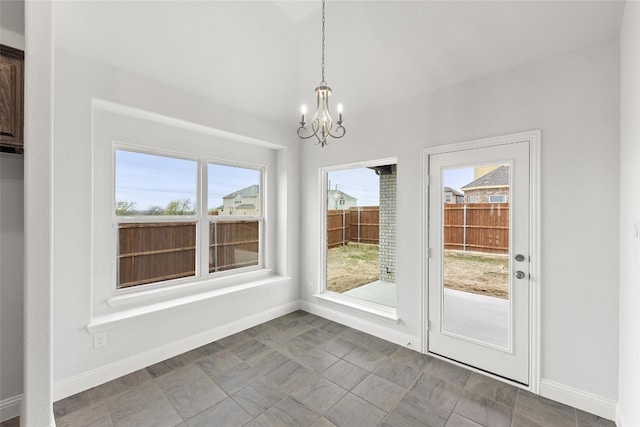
520,275
520,257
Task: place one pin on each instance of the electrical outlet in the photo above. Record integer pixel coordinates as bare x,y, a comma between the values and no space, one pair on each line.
99,339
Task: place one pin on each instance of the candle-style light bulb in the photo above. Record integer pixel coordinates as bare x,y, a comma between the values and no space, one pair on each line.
303,110
340,112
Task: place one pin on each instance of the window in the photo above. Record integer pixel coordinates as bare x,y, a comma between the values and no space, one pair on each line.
501,198
160,217
447,197
473,199
360,232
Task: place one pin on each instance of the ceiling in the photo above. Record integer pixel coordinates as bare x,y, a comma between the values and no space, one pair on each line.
264,56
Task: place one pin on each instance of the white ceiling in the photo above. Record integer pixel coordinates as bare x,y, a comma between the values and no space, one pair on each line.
264,56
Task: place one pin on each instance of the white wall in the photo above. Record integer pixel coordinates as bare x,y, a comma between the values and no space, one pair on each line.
76,365
11,281
573,100
629,374
11,244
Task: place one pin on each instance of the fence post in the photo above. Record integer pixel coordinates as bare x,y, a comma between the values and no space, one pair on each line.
344,228
464,228
358,224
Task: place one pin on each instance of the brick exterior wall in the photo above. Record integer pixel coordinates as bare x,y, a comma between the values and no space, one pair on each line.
482,194
388,226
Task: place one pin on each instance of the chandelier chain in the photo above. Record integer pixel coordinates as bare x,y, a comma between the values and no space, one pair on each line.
323,82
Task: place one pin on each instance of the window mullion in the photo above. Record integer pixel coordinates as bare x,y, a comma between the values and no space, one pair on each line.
203,234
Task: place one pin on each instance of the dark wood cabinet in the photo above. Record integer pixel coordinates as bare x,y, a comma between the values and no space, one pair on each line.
11,99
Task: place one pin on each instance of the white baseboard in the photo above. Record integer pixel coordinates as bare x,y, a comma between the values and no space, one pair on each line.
89,379
585,401
10,408
357,322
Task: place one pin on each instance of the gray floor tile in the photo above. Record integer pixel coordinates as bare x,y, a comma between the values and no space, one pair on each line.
196,397
323,422
315,336
286,413
456,420
448,372
211,348
143,405
124,384
76,402
181,378
159,369
235,378
397,372
381,346
258,396
319,395
295,347
267,361
484,410
317,360
416,411
185,359
590,420
365,358
95,415
352,410
437,390
291,376
233,340
532,410
333,328
410,357
493,389
224,413
338,346
248,349
355,336
220,362
345,374
380,392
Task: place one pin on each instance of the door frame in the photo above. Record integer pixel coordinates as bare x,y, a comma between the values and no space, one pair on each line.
533,138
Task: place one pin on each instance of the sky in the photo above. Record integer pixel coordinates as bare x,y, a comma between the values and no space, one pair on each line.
150,180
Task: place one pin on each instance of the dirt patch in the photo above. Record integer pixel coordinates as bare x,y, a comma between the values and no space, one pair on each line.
484,274
351,266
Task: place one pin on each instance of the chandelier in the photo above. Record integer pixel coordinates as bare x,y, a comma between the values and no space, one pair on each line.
322,123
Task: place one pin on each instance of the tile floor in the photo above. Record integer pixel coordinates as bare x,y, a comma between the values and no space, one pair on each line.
303,370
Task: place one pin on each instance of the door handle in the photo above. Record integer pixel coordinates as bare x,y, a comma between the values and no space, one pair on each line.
520,274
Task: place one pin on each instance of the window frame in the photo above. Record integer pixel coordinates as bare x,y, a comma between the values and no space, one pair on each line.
502,196
201,218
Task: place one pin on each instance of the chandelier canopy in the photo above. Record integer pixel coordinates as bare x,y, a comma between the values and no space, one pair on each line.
322,123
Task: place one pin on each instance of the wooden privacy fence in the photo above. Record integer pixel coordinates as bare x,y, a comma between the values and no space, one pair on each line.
154,252
358,224
480,227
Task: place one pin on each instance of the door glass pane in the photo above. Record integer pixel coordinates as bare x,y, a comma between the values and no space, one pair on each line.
361,237
476,294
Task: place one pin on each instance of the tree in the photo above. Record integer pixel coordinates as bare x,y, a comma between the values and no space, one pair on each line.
155,210
179,207
125,208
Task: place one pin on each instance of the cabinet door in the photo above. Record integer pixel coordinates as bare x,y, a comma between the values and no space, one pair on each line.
11,97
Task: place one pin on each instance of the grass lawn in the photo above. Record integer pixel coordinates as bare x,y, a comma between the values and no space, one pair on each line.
356,264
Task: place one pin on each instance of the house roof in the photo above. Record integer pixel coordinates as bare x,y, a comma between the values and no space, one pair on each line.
496,178
456,192
251,191
336,194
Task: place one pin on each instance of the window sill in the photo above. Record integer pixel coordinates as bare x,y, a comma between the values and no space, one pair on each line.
379,310
167,305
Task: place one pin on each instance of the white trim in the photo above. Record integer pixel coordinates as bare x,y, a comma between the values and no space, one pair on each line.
355,320
115,319
620,421
583,400
358,304
533,138
10,408
94,377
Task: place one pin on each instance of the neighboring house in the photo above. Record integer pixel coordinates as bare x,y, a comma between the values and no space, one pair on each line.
492,187
339,200
241,202
453,196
